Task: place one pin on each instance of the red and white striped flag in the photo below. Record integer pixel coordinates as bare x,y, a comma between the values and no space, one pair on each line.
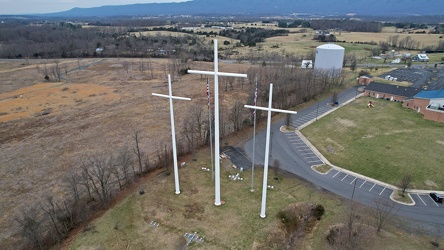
255,97
208,92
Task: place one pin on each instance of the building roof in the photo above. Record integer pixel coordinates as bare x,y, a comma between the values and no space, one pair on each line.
392,89
422,56
329,46
430,94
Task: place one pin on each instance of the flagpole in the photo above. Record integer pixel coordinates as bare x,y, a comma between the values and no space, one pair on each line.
254,139
211,133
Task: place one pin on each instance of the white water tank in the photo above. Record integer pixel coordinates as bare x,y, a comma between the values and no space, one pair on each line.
329,56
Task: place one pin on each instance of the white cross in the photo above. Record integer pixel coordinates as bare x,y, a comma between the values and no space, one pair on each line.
216,74
173,133
267,144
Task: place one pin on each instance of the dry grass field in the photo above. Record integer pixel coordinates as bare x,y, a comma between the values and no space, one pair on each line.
47,128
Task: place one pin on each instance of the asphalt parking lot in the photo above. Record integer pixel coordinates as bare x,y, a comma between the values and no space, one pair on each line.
364,185
304,151
424,200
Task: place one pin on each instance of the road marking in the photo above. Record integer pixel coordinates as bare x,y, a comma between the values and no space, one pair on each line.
372,187
335,174
382,191
314,161
344,177
353,180
310,157
307,153
362,183
434,201
421,199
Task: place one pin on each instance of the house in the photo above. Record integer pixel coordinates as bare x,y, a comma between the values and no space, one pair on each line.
420,58
390,92
430,103
365,80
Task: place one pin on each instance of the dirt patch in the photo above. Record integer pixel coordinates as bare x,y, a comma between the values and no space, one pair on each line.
346,123
440,142
333,146
48,128
431,184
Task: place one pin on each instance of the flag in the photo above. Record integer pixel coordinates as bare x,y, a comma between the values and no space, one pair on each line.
208,92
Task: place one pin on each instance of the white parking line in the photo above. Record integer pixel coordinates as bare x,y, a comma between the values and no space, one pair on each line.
311,157
362,183
344,177
372,187
382,191
353,180
434,201
421,199
314,161
335,175
307,153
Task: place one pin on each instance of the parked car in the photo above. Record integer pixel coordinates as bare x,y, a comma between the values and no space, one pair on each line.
436,197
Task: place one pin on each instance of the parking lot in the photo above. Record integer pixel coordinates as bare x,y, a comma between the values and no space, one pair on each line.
304,151
424,200
362,184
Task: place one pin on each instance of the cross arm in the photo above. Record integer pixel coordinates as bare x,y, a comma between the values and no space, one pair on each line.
274,110
200,72
172,97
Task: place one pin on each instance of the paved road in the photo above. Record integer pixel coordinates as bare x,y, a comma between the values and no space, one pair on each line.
296,157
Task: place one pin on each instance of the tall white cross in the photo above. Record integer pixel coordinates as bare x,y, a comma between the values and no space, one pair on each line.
267,145
173,133
216,75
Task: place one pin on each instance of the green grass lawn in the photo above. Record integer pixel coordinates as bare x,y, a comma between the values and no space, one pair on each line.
385,142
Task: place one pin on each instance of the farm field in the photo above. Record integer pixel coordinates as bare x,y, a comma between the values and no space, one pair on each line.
385,142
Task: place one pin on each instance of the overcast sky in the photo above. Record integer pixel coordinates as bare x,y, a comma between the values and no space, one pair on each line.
49,6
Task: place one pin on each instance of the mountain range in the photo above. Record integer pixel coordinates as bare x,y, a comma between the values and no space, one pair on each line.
266,8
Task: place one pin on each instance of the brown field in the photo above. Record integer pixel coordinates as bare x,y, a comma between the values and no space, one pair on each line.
48,127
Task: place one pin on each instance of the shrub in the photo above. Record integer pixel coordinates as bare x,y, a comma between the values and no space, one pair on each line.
288,218
318,211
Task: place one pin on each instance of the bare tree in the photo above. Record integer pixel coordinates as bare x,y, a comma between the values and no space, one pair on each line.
85,181
31,226
288,120
236,116
136,137
53,211
124,162
99,174
72,181
405,183
384,210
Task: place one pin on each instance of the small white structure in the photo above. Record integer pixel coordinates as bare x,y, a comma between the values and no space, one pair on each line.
397,60
307,64
329,57
420,58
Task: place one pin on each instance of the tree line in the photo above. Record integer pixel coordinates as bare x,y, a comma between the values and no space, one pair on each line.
66,40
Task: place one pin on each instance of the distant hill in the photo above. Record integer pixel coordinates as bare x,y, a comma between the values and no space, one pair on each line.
266,7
